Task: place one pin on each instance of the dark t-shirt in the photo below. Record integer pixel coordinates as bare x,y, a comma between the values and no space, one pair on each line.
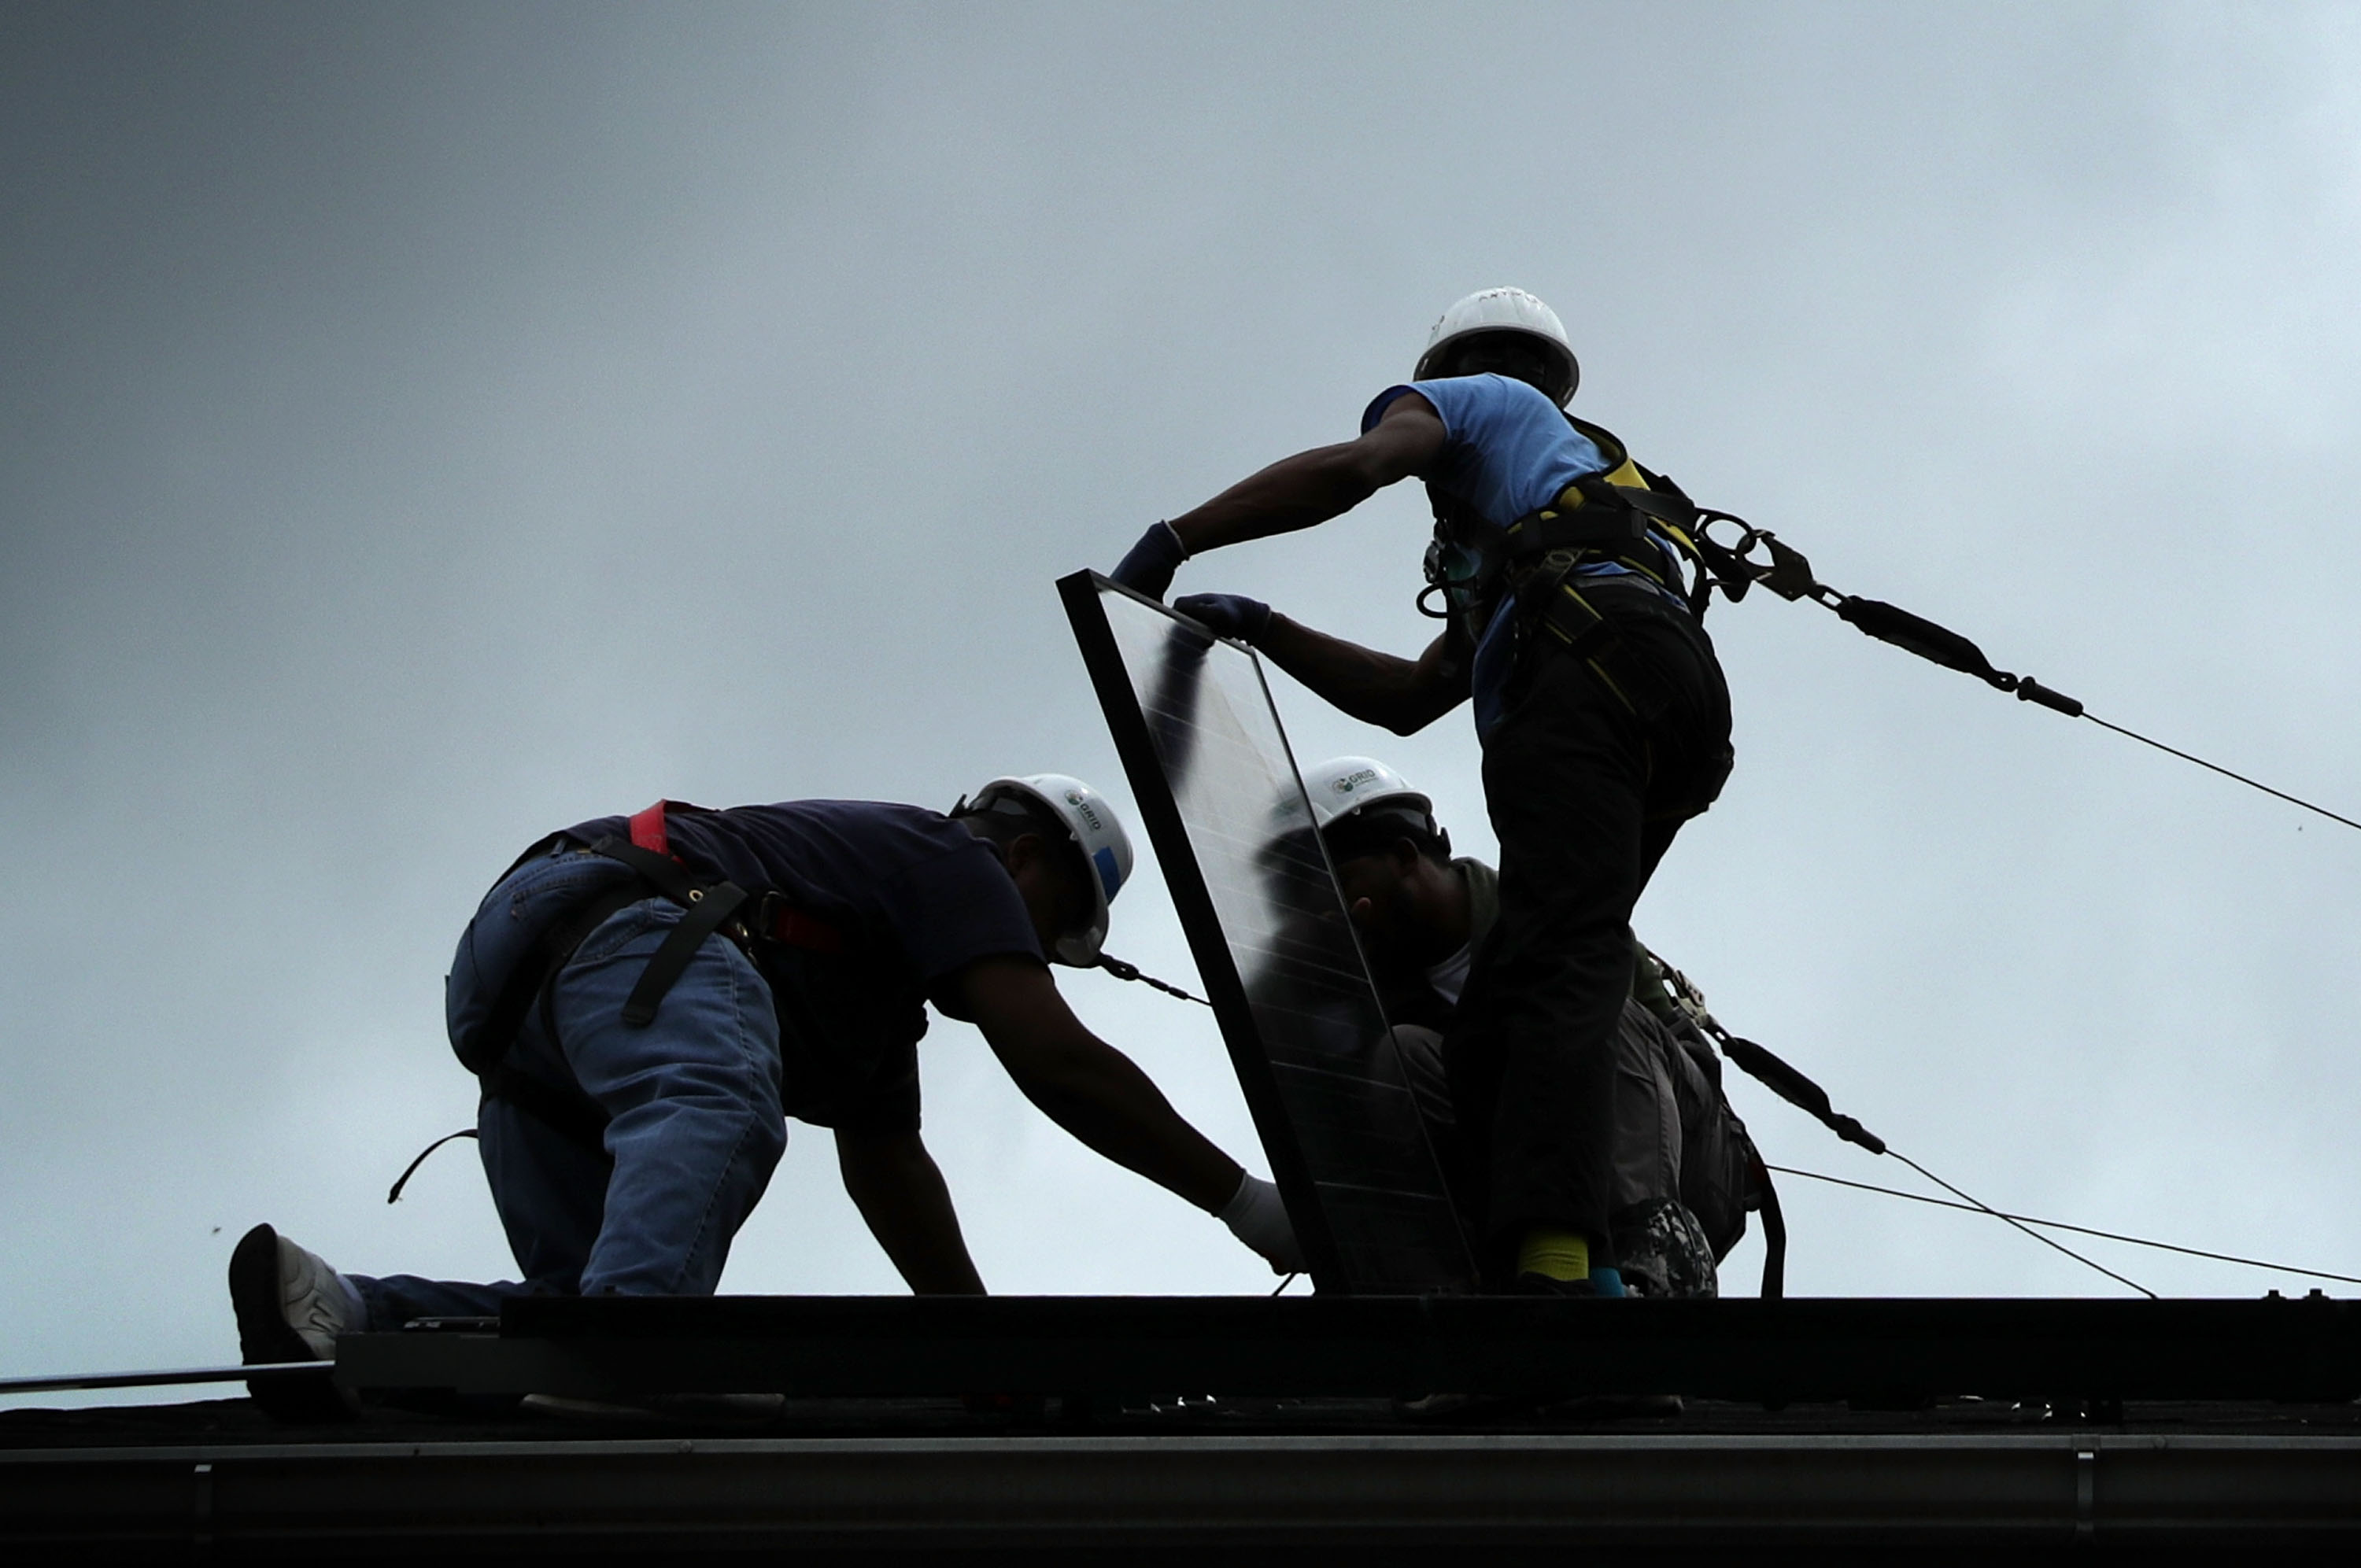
916,898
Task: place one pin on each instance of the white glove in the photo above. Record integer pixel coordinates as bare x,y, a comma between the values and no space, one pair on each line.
1256,1217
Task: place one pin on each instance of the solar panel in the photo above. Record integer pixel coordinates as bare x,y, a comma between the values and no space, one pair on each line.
1225,810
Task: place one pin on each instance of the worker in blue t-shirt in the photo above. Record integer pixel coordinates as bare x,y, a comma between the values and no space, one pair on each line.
1602,713
645,999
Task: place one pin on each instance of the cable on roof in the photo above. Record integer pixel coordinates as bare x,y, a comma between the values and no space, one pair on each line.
2077,1230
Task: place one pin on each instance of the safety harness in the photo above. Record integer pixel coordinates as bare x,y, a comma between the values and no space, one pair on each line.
1624,515
713,907
1632,517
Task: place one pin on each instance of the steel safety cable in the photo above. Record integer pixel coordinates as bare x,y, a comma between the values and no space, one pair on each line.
2226,772
1793,1087
1789,575
2077,1230
2036,1235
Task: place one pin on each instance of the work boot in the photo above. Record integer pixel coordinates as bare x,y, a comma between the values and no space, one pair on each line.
291,1306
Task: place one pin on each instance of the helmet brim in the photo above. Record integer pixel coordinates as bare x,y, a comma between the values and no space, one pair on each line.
1566,369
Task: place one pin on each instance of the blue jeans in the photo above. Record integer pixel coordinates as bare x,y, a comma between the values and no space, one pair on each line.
694,1095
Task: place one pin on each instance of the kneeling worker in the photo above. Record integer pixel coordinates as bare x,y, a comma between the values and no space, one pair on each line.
645,1001
1676,1202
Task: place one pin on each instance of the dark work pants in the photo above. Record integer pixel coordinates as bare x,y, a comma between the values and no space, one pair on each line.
1584,796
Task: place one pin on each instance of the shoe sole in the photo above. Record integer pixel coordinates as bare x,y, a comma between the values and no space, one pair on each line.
265,1337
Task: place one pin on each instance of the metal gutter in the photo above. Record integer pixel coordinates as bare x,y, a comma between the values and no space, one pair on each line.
1306,1494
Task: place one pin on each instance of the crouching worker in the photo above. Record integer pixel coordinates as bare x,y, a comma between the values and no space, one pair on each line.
1680,1172
645,1001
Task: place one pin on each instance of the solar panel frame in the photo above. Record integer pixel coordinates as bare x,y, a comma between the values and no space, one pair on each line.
1410,1194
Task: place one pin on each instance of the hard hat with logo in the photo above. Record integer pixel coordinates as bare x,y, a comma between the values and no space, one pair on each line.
1506,310
1097,833
1349,787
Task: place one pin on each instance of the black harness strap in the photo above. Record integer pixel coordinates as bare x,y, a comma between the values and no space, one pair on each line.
1592,514
706,913
710,908
1591,637
1775,1231
567,1108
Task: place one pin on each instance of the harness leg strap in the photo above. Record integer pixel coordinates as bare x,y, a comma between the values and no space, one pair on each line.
1591,637
708,911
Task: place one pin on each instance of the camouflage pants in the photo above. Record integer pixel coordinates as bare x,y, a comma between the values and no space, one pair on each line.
1662,1251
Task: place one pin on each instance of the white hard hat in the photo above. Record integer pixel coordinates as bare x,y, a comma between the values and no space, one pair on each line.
1342,786
1097,832
1505,310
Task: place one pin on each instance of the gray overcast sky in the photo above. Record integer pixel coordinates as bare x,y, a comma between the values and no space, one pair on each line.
425,426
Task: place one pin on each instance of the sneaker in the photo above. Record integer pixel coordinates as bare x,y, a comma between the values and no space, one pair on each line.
291,1306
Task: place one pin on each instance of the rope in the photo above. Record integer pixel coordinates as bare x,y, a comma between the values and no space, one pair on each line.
2077,1230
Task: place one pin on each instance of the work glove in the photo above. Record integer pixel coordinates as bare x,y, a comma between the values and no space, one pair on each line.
1148,568
1228,615
1256,1217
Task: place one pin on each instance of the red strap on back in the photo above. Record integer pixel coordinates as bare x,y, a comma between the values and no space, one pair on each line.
648,829
792,927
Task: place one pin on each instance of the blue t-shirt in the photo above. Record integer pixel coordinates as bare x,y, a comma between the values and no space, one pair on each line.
1508,452
914,895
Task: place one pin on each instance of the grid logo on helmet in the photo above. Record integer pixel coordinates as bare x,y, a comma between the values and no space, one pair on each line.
1352,781
1082,806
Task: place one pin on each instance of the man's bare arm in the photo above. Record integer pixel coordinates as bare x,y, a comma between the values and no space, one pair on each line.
1088,1087
1311,486
895,1183
1403,694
